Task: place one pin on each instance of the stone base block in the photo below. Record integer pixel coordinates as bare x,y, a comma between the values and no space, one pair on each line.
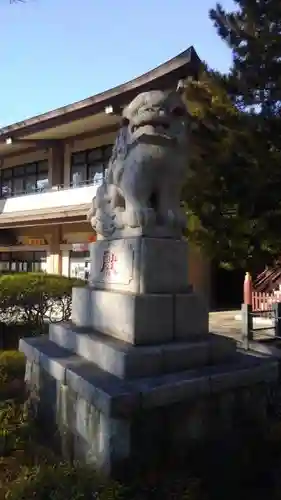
140,319
137,319
81,306
140,265
129,361
106,421
191,316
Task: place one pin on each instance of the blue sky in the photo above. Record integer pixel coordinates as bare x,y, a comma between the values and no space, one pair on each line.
55,52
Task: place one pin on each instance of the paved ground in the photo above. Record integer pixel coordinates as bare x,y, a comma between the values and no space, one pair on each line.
223,323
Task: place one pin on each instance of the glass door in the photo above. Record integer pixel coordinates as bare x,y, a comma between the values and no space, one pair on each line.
79,264
19,266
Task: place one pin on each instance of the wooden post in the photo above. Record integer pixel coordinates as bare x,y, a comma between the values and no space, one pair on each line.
247,325
277,317
248,290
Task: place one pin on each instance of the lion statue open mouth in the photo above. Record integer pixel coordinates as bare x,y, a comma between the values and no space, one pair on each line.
147,168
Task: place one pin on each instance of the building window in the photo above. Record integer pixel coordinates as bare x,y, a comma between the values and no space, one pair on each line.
28,261
29,178
88,167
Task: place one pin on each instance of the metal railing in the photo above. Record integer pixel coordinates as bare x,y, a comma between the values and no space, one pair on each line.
50,189
251,332
74,185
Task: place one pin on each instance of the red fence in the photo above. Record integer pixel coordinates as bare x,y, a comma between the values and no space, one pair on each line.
263,301
260,301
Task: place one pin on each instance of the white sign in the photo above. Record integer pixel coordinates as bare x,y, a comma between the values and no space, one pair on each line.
80,247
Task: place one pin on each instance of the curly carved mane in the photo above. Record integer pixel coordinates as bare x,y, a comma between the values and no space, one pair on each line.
119,152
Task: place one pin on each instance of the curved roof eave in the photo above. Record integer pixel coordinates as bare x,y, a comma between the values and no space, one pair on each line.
184,64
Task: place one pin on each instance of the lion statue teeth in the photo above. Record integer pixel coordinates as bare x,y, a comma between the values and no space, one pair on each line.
147,168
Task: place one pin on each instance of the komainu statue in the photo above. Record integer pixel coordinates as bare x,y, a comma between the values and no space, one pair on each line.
147,168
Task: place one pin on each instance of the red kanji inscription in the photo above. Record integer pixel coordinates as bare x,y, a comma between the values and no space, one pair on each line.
109,263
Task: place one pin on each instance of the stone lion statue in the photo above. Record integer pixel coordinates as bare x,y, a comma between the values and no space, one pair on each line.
147,168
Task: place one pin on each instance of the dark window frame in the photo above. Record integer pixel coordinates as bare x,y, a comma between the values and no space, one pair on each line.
37,257
83,255
22,172
88,163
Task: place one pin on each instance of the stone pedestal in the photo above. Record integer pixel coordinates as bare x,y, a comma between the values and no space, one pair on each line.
136,368
139,292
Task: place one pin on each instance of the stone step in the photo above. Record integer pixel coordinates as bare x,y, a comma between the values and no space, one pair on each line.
116,397
125,360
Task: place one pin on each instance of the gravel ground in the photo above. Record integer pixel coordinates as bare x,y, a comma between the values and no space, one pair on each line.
223,323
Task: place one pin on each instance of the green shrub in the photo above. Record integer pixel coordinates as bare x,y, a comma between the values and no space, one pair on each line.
34,298
12,366
60,482
11,424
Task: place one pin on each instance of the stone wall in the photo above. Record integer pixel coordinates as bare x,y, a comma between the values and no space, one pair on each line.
86,433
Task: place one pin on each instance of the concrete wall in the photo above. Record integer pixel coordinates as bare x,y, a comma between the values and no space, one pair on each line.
52,199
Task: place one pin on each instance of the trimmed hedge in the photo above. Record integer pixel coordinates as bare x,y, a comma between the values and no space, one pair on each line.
35,298
12,369
12,366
